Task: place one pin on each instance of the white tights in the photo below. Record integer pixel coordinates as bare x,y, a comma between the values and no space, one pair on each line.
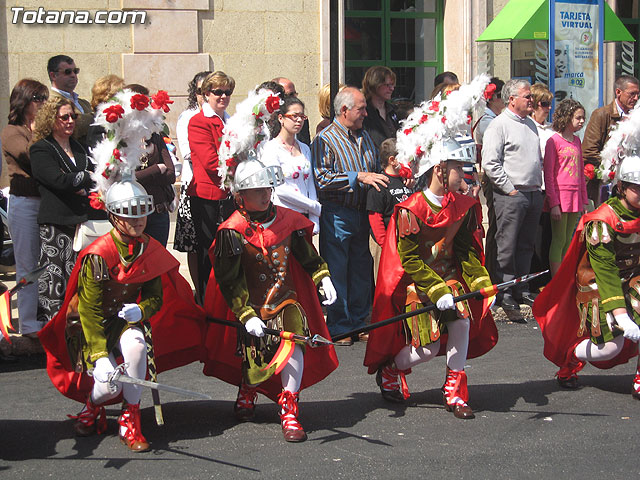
291,374
134,352
586,350
457,346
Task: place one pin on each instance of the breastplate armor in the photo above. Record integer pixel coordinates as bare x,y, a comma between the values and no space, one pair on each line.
436,248
115,294
268,280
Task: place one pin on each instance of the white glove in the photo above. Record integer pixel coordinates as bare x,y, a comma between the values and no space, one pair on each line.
445,302
102,370
131,312
631,330
329,291
255,327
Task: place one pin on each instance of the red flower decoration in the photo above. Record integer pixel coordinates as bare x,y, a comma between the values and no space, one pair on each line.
232,163
96,201
444,119
161,100
419,151
139,102
589,171
295,174
305,176
489,91
227,144
435,106
116,154
405,172
407,131
611,175
113,113
272,103
468,119
424,118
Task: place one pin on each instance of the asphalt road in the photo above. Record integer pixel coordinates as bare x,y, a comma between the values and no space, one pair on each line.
526,426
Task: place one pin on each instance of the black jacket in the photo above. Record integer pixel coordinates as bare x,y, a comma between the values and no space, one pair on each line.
63,186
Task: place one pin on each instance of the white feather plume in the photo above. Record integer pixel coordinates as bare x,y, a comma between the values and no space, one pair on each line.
245,130
436,119
624,140
126,137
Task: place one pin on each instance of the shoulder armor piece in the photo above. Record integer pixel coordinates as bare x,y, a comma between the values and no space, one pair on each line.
228,243
99,267
407,223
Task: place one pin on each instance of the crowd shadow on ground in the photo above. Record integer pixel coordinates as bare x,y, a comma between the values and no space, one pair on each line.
325,421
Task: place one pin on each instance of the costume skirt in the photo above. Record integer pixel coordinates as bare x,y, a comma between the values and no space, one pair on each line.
56,252
185,237
426,328
601,330
258,352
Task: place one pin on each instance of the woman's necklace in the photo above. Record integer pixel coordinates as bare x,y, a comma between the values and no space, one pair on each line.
287,147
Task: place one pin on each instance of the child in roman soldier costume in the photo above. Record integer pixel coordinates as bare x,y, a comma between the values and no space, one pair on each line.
265,274
124,286
432,253
590,311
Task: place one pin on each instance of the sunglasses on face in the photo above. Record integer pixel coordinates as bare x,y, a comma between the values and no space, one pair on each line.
39,98
545,104
66,116
69,71
296,116
218,92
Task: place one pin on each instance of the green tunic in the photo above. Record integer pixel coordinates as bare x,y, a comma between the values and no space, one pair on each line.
102,334
600,240
231,278
428,326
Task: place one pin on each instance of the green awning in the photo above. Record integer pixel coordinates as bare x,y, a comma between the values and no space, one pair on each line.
529,20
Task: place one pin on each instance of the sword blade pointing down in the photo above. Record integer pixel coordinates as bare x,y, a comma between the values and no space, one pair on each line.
118,376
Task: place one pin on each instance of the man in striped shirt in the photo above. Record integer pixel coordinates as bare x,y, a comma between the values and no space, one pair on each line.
346,165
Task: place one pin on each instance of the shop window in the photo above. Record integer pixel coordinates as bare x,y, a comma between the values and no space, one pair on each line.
403,35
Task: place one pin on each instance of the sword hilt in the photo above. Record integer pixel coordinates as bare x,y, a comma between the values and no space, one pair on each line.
115,375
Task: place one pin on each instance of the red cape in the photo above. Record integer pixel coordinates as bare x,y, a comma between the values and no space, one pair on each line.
555,308
177,328
385,342
221,341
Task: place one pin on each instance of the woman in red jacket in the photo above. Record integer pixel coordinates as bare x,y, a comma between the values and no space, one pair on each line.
211,203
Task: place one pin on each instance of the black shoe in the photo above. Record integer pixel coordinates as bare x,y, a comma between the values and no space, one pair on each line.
508,303
527,299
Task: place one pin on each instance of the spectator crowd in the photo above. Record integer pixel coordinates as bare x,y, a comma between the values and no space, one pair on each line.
535,174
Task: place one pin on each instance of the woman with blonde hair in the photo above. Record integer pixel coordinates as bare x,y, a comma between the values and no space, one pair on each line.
542,97
62,167
324,105
381,121
210,202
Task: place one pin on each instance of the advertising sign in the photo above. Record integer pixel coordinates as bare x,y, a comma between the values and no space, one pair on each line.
576,35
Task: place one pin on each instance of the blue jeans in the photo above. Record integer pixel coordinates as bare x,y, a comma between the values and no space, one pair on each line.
344,245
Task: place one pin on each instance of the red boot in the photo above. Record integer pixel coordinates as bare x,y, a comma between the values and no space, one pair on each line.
129,421
635,392
244,408
392,390
455,395
568,375
91,419
291,428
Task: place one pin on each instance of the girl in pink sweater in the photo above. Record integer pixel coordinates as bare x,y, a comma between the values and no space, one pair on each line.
566,190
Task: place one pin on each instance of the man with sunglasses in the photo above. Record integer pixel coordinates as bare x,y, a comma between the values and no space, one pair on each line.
512,162
63,75
627,89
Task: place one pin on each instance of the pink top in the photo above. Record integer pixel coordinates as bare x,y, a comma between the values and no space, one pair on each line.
564,179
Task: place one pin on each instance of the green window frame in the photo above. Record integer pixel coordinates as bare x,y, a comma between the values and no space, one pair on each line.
386,15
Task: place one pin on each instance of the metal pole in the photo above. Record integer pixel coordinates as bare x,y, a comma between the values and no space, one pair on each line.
334,51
